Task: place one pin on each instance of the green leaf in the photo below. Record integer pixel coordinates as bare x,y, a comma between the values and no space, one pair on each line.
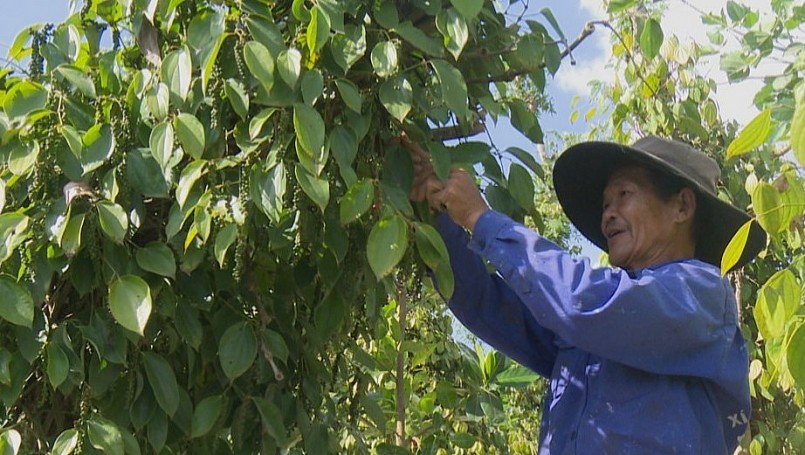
434,253
276,344
651,38
454,89
344,147
397,96
419,39
266,32
205,415
226,238
16,50
190,175
24,98
158,101
177,72
778,301
22,156
795,354
210,24
350,94
312,86
77,78
521,187
237,349
463,440
734,250
13,231
163,381
161,143
386,245
58,365
468,8
552,20
289,63
272,420
768,206
238,98
268,190
616,6
157,257
73,139
798,125
454,29
104,435
357,200
16,303
525,121
114,221
258,121
753,135
10,442
527,159
99,144
190,133
130,302
516,376
317,189
386,15
384,58
318,30
260,63
66,443
349,47
310,133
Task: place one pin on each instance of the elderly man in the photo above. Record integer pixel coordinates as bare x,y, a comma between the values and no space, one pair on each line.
645,358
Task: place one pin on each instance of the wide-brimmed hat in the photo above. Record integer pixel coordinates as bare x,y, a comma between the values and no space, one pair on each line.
582,171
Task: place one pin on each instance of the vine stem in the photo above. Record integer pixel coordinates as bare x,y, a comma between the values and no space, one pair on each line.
402,315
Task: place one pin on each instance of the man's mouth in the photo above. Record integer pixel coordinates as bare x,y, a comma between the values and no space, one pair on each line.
612,233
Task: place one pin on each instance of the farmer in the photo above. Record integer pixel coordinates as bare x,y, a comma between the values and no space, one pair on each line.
645,358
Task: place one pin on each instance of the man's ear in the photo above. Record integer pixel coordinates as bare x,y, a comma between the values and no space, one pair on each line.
686,204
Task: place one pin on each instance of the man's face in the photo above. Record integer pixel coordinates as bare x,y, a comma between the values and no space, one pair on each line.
638,225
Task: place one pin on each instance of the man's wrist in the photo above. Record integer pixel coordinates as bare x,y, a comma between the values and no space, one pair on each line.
473,218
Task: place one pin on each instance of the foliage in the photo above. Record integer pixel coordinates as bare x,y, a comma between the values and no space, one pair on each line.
206,230
659,90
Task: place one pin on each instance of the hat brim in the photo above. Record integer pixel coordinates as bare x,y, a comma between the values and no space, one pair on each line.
581,172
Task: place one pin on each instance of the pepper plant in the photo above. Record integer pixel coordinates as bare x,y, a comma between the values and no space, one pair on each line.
204,217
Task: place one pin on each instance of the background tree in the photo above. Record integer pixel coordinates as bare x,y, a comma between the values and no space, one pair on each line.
207,241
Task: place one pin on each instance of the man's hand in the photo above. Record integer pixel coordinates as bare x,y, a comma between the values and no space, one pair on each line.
459,195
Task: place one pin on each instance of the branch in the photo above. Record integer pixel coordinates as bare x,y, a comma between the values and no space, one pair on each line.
510,75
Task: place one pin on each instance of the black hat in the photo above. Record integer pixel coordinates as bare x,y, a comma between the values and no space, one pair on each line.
582,171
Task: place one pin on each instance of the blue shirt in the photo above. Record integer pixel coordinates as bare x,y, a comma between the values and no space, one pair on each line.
644,362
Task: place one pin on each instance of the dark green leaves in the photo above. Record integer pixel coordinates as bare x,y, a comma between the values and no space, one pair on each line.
98,146
190,133
76,77
205,415
356,201
177,72
260,63
468,8
316,188
454,89
105,436
16,303
396,95
157,257
433,252
318,31
58,364
310,133
130,302
387,243
114,221
237,349
161,142
268,189
795,353
453,28
163,382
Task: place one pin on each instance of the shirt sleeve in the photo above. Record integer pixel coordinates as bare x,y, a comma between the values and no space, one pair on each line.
675,319
490,309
